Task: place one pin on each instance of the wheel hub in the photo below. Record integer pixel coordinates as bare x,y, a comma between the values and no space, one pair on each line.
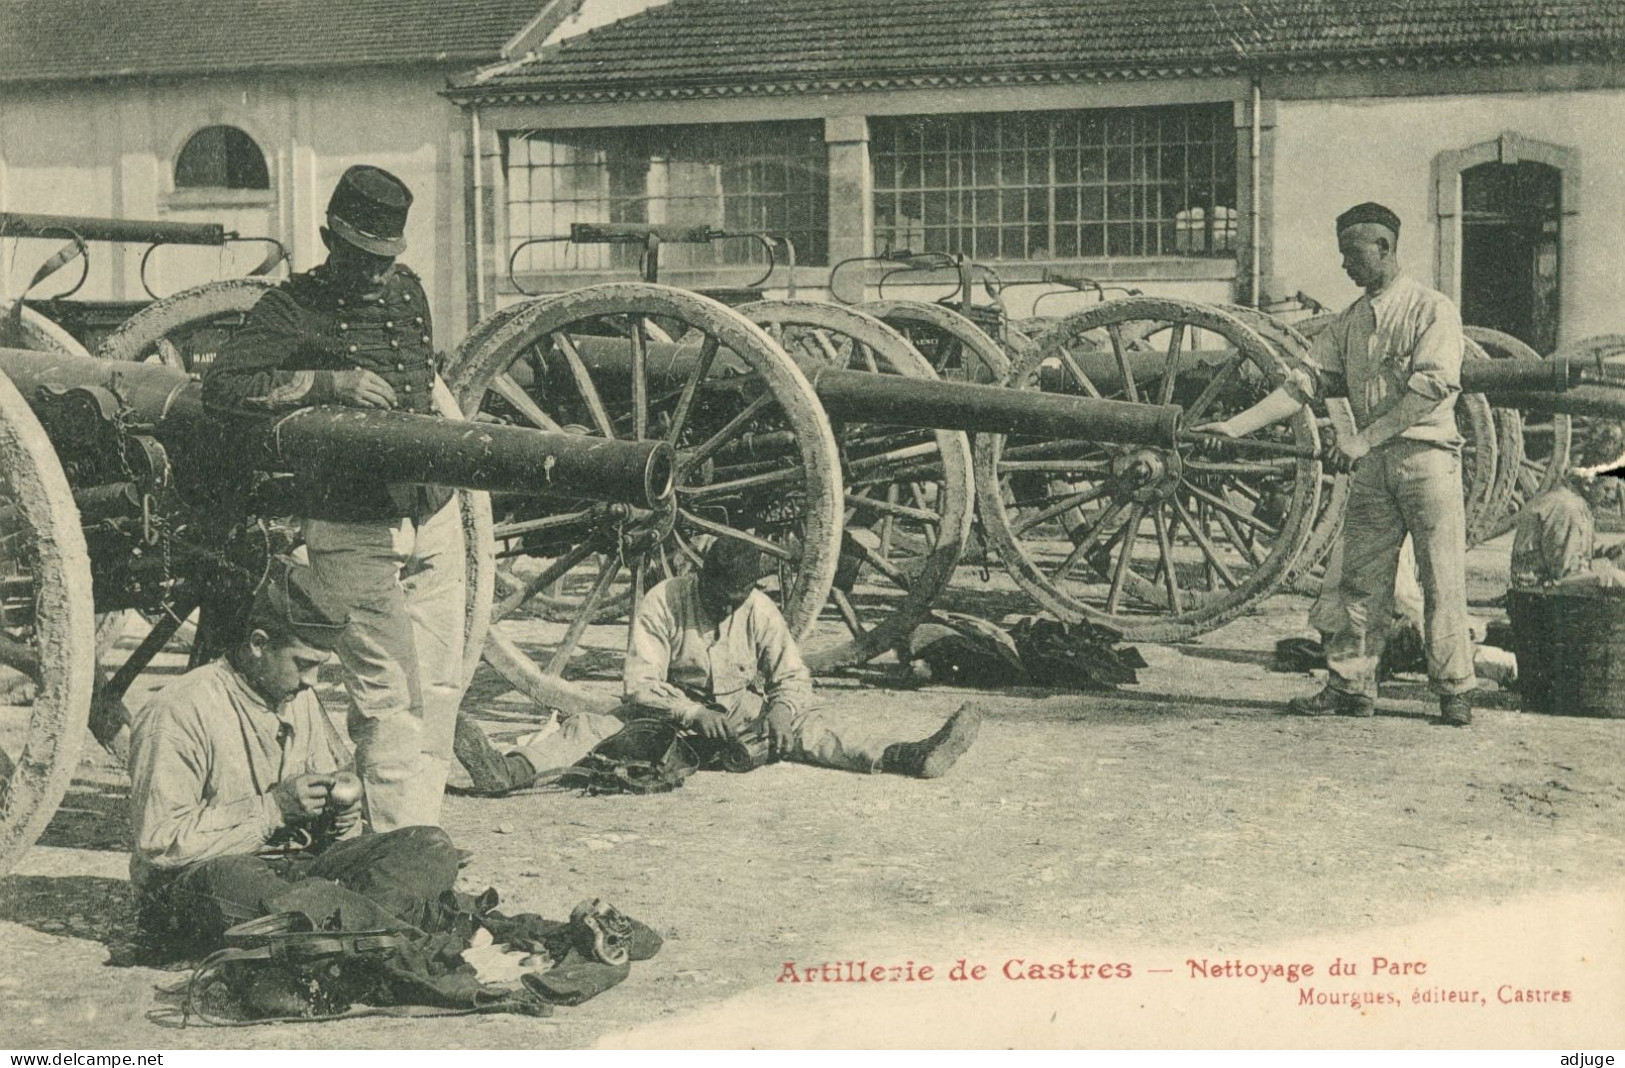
1147,474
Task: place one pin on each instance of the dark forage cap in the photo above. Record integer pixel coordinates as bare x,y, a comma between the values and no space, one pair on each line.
368,209
1369,212
290,600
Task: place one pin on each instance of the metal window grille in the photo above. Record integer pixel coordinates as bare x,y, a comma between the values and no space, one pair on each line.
770,177
1124,182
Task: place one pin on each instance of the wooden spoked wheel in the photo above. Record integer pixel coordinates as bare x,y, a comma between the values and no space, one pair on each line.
1155,541
956,348
1545,441
909,493
595,362
47,627
185,331
41,334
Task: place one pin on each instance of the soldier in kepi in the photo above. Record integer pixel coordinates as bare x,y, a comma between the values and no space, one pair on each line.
711,652
1396,354
356,331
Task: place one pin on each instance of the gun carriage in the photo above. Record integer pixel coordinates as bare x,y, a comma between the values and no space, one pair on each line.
118,492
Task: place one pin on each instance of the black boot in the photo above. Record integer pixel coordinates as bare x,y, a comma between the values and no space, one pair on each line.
931,758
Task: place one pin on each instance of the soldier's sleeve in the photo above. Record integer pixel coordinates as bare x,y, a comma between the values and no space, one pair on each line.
785,675
648,660
248,375
1436,355
1321,373
172,824
1572,536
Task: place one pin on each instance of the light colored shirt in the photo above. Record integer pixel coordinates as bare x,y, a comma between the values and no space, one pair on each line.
674,642
1406,338
1556,536
205,755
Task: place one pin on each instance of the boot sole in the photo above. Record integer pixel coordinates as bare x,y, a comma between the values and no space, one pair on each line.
962,730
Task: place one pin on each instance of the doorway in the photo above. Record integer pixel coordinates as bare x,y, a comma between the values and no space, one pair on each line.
1511,216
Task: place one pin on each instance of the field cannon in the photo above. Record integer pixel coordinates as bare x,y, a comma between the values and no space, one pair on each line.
835,452
118,492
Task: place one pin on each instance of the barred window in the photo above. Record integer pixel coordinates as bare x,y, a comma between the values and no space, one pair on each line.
1123,182
770,177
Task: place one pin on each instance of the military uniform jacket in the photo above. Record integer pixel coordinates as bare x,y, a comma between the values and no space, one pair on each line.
285,356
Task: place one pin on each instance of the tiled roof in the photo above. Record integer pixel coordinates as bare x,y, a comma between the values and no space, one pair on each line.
718,47
76,40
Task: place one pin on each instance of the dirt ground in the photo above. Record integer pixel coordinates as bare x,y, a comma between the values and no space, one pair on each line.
1184,817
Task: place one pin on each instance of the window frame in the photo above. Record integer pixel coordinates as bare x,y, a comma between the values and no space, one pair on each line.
988,188
675,268
186,198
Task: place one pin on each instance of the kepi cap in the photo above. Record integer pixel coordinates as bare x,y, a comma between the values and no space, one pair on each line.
290,597
368,209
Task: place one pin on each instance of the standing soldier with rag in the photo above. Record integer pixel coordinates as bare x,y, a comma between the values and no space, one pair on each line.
356,331
1396,353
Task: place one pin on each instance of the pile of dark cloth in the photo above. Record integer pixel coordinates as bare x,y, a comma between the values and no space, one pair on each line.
1404,653
966,651
330,953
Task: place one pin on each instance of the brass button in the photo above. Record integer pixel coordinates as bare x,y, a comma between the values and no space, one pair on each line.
394,344
343,327
341,302
425,339
390,325
352,349
400,367
418,320
381,302
407,388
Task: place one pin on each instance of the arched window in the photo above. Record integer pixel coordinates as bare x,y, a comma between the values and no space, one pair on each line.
221,157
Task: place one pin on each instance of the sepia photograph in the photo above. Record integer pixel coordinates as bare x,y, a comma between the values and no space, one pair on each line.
812,524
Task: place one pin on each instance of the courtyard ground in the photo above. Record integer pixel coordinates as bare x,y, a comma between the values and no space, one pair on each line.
1170,827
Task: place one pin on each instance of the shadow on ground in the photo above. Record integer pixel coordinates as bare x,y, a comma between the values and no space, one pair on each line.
93,815
73,906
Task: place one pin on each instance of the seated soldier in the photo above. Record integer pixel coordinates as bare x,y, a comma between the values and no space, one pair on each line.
1556,535
233,799
699,643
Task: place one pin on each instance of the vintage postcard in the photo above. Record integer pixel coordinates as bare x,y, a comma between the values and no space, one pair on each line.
725,524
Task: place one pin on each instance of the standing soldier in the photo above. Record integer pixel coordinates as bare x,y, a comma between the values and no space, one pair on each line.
1396,353
356,331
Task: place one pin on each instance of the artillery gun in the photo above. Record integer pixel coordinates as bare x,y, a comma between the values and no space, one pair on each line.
117,491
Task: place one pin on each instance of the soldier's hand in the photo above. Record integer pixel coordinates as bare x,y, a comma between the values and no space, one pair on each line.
362,388
779,723
1215,446
1344,454
713,724
302,797
345,820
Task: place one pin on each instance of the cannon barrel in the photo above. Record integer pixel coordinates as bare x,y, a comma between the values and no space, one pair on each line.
395,446
144,231
1495,377
930,404
401,447
922,403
